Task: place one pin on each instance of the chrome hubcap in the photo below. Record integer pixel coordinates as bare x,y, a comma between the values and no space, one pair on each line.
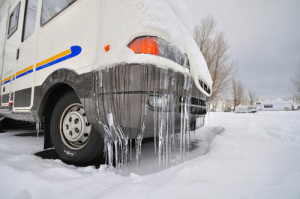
74,126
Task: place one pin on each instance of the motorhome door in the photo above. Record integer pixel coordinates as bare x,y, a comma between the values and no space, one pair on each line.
11,45
20,56
3,29
24,83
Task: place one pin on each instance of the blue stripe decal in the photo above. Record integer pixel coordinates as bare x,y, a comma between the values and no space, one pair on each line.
26,73
75,50
7,81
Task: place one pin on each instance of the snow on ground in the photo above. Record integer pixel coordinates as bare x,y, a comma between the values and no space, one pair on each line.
237,156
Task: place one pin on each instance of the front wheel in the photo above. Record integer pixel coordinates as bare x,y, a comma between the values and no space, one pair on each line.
73,137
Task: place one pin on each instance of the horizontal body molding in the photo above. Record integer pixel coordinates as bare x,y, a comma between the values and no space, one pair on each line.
63,56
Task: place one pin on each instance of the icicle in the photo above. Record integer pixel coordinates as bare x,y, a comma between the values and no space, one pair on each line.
100,80
181,128
172,129
108,152
155,126
113,110
138,146
130,150
161,129
38,128
125,155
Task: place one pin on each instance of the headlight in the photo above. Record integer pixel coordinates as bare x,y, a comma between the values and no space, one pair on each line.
159,47
158,101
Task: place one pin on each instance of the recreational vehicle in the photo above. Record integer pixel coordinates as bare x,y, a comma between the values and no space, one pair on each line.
241,109
98,73
274,106
252,109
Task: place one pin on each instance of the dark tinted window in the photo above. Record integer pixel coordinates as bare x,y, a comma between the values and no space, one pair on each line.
30,18
13,21
268,106
51,8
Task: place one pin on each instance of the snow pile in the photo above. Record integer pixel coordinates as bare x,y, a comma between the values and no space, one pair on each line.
181,10
234,156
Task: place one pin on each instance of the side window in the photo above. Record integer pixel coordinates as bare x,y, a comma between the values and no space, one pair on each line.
51,8
30,18
13,21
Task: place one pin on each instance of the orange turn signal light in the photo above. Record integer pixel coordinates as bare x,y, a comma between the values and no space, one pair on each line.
145,45
107,48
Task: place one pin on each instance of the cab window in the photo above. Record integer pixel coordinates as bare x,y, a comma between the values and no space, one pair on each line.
52,8
13,21
30,18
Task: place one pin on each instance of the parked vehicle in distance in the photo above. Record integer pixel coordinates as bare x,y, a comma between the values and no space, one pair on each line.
252,109
241,109
100,73
274,106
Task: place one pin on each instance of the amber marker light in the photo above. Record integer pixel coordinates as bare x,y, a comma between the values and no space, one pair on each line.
107,48
156,46
145,45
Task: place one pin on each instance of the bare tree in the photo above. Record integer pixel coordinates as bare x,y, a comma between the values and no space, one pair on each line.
251,97
214,48
296,83
226,104
237,93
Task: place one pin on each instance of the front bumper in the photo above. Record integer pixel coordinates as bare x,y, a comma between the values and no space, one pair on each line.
121,100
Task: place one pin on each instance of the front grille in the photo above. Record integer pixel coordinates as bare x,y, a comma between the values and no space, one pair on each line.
197,106
204,86
198,102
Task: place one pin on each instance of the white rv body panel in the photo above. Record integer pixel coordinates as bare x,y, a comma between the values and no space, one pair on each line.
78,24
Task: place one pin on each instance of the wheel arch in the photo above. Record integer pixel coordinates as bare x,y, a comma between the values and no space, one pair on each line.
48,103
56,84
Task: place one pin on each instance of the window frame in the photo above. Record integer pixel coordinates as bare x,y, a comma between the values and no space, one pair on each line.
9,34
43,24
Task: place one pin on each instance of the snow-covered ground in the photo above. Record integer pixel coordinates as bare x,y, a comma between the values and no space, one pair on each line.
237,156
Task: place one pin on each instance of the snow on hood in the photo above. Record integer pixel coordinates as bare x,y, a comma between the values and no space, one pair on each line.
173,18
167,19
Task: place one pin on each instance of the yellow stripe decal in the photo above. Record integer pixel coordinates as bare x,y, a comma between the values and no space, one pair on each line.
67,52
72,52
7,79
24,70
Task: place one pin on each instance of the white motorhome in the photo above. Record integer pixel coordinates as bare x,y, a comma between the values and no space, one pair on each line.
252,109
274,106
241,109
100,72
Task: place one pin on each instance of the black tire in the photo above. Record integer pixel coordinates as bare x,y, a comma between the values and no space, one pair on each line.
90,151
